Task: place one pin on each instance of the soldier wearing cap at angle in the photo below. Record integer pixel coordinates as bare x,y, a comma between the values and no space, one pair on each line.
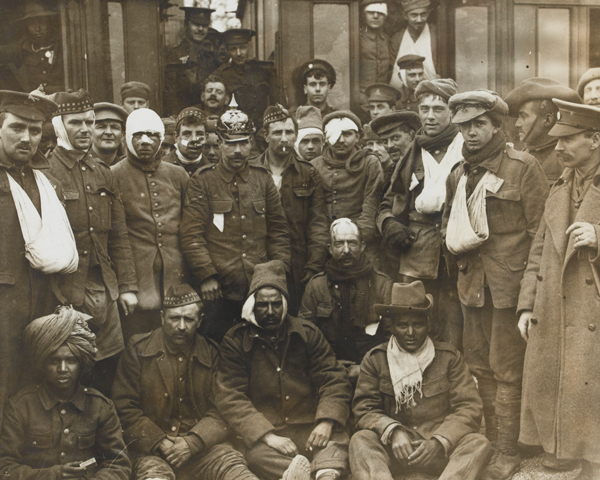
310,138
36,57
25,291
135,95
163,392
558,304
190,135
412,73
588,87
382,99
189,63
397,129
317,78
253,82
109,132
531,103
490,238
232,220
106,271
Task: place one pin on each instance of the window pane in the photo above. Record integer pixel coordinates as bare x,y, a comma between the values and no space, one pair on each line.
117,48
525,53
472,47
332,43
553,43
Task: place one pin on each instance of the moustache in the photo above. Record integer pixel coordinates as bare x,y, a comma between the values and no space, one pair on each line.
24,146
212,97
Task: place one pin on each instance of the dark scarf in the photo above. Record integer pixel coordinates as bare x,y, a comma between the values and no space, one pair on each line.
439,141
490,150
144,166
353,164
359,277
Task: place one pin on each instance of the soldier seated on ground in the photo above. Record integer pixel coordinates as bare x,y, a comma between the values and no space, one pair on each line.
58,429
416,405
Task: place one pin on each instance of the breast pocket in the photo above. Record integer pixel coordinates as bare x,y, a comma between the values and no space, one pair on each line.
71,199
504,211
100,207
218,209
38,441
260,211
436,394
302,196
86,441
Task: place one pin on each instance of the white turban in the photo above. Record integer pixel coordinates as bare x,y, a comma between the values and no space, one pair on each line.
377,7
335,127
143,120
304,132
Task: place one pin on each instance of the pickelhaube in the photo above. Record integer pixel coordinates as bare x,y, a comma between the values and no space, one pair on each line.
234,125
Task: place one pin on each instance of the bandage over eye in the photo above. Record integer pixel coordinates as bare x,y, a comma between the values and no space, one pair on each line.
143,120
377,8
335,127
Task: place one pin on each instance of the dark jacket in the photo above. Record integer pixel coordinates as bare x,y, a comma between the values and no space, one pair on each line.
153,202
97,218
255,229
513,215
41,433
260,389
449,407
376,57
547,156
321,304
303,202
144,387
190,169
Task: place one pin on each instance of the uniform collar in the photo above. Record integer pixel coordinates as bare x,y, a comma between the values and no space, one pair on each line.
227,174
157,345
70,158
49,400
292,325
262,160
37,162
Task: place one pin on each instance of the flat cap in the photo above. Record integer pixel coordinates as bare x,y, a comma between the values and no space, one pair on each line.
72,102
574,118
342,114
135,89
386,123
275,113
408,62
189,112
382,92
238,36
442,87
308,116
317,64
538,88
110,111
27,105
198,15
587,77
179,296
469,105
408,5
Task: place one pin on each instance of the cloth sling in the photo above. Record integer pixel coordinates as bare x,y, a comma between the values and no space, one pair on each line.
433,195
49,241
421,47
406,369
468,225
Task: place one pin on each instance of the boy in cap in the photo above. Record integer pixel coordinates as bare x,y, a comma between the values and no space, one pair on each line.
190,135
106,270
531,104
152,192
382,99
310,139
280,387
317,78
168,144
558,304
416,405
417,38
135,95
411,73
376,57
57,428
588,87
490,238
109,131
163,392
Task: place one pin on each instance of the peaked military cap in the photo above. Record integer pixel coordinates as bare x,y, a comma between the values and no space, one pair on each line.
72,102
198,15
538,88
382,92
238,36
574,118
27,105
275,113
408,62
386,123
469,105
179,296
317,64
110,111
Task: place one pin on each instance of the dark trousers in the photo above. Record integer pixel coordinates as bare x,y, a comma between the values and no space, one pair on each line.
221,462
371,460
269,464
221,315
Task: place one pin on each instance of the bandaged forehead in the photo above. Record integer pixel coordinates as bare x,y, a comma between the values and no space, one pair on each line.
377,8
335,127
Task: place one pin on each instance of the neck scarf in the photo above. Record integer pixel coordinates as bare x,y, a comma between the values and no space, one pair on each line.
353,164
442,140
493,148
145,166
187,161
422,48
406,370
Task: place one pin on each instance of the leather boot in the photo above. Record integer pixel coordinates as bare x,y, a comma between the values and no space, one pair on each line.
487,391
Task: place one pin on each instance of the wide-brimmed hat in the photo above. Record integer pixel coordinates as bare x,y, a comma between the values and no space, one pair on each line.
407,297
35,9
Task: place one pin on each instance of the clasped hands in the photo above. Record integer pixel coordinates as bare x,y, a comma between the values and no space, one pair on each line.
174,450
319,438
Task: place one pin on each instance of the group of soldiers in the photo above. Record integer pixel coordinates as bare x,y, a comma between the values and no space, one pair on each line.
243,291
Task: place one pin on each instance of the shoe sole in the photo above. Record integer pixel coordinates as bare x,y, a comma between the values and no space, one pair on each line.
299,469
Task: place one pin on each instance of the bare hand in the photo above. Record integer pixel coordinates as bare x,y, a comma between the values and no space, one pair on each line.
179,453
128,301
282,444
164,445
353,371
524,323
210,290
319,437
584,235
401,445
72,470
426,451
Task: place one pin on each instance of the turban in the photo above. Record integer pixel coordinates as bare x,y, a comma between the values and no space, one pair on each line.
143,120
442,87
45,335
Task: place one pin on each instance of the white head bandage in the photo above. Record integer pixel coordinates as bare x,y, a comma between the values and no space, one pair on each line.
62,139
335,127
248,309
143,120
304,132
377,7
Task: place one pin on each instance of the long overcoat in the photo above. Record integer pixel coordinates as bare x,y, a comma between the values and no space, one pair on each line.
560,408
